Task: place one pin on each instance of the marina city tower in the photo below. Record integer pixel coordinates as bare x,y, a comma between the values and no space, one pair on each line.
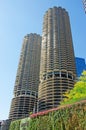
57,67
27,78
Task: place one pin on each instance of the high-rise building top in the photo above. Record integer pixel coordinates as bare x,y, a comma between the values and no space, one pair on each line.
28,68
27,78
80,65
56,39
84,3
57,69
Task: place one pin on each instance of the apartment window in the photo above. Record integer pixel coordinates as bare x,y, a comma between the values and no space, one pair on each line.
23,92
70,76
63,74
27,93
56,74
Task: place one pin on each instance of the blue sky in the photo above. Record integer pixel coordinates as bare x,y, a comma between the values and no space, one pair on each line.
21,17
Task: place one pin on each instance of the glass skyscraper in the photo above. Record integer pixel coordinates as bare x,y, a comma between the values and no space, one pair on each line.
80,66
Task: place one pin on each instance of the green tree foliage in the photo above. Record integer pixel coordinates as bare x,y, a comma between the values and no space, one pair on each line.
15,125
78,92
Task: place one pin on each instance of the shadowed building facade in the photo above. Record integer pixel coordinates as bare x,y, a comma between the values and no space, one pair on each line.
27,78
57,67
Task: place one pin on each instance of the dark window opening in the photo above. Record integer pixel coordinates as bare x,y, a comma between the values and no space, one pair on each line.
23,92
63,75
49,76
69,76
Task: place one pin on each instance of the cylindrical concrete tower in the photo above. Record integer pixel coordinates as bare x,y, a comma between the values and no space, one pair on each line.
27,78
57,69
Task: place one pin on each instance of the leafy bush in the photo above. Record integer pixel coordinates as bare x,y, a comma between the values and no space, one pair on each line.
15,125
68,117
